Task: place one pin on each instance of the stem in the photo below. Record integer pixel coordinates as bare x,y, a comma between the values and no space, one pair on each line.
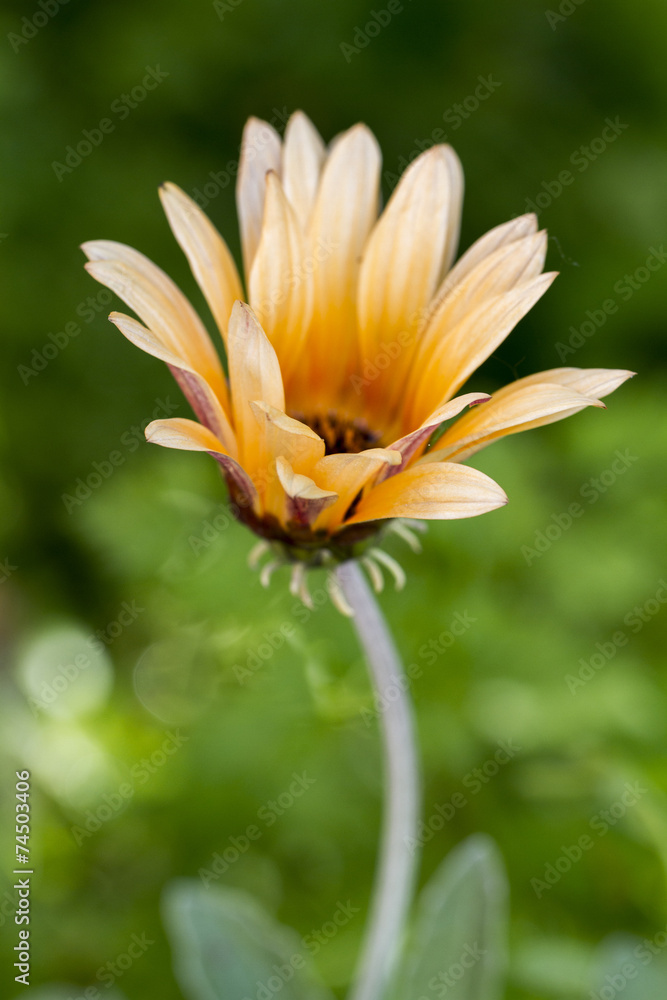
394,880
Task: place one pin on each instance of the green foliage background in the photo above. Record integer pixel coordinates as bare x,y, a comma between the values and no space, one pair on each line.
142,536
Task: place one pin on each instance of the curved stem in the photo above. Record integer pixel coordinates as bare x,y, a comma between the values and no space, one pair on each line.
394,880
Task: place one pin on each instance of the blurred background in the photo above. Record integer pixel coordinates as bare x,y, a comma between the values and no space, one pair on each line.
164,702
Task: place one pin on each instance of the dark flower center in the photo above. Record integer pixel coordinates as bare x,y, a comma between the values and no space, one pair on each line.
341,436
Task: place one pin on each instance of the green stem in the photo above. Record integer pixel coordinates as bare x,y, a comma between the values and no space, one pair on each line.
394,881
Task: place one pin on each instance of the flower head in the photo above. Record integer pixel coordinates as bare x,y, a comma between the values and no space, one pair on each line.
358,333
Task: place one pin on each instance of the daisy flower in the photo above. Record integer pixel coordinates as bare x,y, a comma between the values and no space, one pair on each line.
359,330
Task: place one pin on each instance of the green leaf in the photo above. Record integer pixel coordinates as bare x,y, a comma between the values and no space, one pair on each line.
631,968
459,945
226,947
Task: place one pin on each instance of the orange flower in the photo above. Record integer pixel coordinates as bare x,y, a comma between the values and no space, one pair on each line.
358,334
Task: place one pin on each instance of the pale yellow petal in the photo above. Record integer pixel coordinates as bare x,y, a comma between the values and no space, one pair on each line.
197,391
302,500
344,213
187,435
261,151
280,286
516,407
303,155
410,445
597,382
456,186
403,258
462,349
208,255
288,437
146,289
347,475
433,492
508,232
254,374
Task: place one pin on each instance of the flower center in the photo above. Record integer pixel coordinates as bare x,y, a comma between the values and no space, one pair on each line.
340,435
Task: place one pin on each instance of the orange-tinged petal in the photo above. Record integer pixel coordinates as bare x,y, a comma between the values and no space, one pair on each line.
517,407
461,350
303,500
195,388
403,258
343,215
187,435
346,475
303,155
431,491
596,382
508,232
261,151
288,437
254,374
208,255
280,287
146,289
410,445
511,264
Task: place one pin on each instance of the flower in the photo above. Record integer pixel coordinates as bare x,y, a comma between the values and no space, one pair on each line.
358,333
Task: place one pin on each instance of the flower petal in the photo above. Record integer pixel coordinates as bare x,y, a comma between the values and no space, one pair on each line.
208,255
409,445
288,437
261,151
195,388
254,373
343,215
346,475
147,290
516,407
303,155
280,287
303,500
463,348
597,382
403,258
187,435
453,491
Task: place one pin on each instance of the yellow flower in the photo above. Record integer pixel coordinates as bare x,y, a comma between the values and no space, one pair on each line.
358,334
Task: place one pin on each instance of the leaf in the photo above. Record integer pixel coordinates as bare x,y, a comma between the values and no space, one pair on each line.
631,968
226,947
459,944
